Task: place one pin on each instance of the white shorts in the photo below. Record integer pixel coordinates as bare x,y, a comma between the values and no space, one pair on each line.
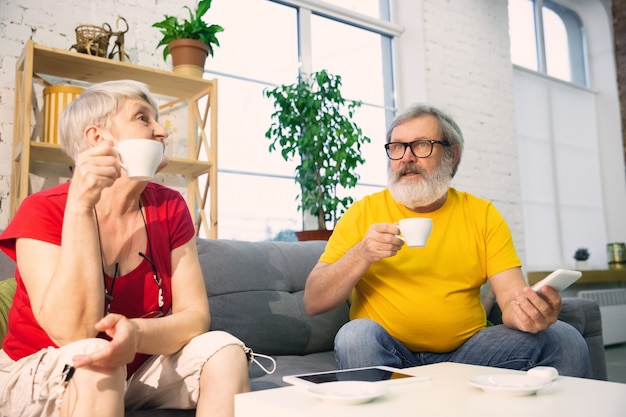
34,385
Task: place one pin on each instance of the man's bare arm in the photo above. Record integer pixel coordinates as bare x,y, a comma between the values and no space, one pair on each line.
330,285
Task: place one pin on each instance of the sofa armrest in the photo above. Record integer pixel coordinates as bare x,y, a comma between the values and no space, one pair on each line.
584,315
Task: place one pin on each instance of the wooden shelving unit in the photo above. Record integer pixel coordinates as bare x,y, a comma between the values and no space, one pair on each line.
199,95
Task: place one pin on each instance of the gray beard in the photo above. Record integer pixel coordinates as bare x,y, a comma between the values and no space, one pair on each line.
423,190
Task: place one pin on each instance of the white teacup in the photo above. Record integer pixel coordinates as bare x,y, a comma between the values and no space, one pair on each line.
415,230
140,157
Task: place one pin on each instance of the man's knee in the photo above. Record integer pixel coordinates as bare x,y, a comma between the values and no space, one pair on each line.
356,330
363,342
567,339
569,349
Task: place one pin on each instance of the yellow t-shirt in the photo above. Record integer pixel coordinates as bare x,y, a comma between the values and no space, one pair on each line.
428,298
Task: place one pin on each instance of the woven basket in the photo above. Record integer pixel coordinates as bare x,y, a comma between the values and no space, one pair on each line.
92,40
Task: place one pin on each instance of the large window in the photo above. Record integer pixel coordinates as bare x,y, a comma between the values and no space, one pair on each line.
266,43
548,38
557,134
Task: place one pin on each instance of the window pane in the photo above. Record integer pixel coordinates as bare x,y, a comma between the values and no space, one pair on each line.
250,46
357,58
565,43
256,208
522,33
373,173
243,117
257,192
372,121
557,47
369,7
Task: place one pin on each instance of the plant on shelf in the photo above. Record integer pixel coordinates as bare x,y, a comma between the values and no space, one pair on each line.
581,254
182,36
313,124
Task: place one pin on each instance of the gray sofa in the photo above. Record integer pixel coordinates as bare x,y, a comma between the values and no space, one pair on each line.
255,291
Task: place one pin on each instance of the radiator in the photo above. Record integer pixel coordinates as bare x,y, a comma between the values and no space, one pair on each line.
613,311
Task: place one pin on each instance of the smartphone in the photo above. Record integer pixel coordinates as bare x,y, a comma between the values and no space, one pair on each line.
383,374
559,280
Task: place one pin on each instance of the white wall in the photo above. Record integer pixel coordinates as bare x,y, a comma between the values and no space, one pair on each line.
561,175
574,187
54,26
603,78
455,55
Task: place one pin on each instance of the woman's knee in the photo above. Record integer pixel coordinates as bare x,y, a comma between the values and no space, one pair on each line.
81,347
228,366
214,339
229,359
216,350
89,384
86,347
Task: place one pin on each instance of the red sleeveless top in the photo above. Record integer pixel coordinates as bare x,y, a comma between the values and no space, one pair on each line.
135,294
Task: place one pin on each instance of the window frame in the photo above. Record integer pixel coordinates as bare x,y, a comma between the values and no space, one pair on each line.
576,40
305,11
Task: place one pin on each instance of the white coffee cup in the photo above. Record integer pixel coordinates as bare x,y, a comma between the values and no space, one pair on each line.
415,230
140,157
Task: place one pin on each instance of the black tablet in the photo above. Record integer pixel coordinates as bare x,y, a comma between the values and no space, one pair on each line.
371,374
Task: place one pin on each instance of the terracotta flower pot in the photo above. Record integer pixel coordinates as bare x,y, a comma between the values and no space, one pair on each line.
305,235
188,57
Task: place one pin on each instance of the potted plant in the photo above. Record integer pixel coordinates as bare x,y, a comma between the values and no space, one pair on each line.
189,41
313,124
581,255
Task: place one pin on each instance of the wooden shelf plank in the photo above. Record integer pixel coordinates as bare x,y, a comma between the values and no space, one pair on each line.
51,153
189,167
93,69
598,275
48,152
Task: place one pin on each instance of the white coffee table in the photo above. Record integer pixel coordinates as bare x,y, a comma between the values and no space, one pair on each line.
448,393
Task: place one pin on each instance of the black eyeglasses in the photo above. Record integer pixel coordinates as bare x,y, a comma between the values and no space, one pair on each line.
422,148
155,274
108,292
157,280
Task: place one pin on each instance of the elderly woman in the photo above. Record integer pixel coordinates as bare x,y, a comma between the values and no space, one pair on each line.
110,311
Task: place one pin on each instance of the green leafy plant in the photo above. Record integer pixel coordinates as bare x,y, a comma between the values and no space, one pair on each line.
581,254
312,122
194,28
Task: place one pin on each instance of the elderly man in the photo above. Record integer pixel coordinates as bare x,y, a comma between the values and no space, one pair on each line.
417,306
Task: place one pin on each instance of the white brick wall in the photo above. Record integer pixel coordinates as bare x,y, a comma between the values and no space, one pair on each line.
55,27
469,73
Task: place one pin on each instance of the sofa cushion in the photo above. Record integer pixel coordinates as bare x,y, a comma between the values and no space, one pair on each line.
7,289
263,283
7,266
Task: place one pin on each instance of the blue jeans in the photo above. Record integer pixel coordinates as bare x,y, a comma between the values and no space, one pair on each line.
363,342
